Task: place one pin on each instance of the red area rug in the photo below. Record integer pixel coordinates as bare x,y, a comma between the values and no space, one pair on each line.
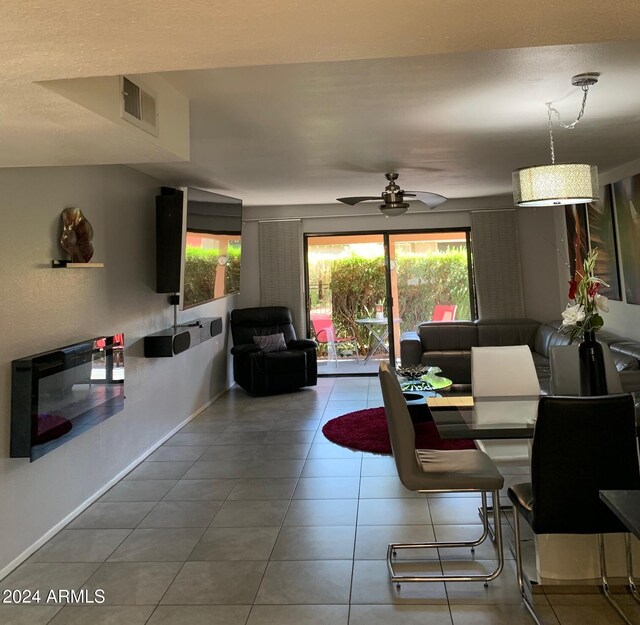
366,430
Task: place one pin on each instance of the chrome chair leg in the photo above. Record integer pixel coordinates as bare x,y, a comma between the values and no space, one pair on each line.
519,568
393,547
632,581
605,581
482,513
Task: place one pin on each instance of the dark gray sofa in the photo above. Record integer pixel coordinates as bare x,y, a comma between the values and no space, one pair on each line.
448,345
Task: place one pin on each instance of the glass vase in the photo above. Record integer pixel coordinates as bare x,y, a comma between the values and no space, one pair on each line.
593,380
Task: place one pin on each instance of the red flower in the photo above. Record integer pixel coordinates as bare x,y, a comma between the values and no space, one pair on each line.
573,287
593,289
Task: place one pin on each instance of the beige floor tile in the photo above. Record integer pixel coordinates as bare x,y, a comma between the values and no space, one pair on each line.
332,467
27,614
200,615
201,490
500,615
385,487
112,515
315,543
306,582
133,583
80,546
103,615
327,488
169,514
393,512
177,453
235,543
372,541
322,512
225,583
268,513
139,490
158,545
35,576
159,470
299,615
400,615
263,488
371,585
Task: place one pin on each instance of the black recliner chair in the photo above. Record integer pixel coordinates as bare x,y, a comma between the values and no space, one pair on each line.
268,373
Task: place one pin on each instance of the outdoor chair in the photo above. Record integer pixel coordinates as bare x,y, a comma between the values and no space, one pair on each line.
326,335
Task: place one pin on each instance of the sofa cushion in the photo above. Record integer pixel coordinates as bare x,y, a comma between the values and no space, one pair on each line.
626,354
548,335
502,332
288,362
448,335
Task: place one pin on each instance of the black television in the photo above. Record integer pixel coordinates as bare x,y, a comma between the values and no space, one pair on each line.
198,245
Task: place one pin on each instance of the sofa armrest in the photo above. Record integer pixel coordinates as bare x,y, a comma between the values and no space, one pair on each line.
240,350
302,344
410,349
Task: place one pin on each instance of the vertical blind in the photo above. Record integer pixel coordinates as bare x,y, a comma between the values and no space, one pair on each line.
496,257
281,273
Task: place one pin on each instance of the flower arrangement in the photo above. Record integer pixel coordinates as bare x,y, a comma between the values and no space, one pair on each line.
584,314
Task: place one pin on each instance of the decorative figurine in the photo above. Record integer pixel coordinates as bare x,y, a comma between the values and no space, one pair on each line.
77,234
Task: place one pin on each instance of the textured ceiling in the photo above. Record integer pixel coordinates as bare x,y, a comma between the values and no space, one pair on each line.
76,38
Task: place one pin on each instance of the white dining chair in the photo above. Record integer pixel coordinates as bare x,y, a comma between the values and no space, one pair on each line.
505,371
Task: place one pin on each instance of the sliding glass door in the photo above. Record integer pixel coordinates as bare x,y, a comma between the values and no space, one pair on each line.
364,290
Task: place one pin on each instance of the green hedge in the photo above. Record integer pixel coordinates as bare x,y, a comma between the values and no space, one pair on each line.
357,284
200,273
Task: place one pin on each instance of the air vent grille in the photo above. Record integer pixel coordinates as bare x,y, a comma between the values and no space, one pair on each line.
139,106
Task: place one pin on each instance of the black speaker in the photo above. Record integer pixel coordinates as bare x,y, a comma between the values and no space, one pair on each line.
181,342
215,327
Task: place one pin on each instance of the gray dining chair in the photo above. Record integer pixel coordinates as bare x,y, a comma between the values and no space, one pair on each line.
565,370
434,471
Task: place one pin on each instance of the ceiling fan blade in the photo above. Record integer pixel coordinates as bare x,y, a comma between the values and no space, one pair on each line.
432,200
352,201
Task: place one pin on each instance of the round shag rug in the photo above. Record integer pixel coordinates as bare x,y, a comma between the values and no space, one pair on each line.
366,430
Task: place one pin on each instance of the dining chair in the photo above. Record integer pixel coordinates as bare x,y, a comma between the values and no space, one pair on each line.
581,445
504,372
433,471
565,370
326,334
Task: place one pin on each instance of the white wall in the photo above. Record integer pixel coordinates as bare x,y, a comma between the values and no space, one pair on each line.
43,308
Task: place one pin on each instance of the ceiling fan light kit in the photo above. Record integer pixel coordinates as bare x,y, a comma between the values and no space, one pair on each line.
393,197
559,183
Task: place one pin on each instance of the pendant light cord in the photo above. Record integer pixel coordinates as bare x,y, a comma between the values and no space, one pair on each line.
571,126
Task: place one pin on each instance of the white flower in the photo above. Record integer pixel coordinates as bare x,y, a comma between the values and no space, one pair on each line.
601,302
573,315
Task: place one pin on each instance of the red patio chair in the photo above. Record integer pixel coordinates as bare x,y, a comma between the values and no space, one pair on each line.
326,334
444,312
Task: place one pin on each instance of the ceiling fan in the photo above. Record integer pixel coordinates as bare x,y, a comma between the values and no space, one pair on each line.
393,198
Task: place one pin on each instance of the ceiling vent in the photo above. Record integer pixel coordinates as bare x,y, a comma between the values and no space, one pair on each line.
139,106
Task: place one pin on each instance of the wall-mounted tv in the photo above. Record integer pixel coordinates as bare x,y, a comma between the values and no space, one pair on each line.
198,245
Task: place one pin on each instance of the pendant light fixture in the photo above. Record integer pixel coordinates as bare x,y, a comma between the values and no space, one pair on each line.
559,183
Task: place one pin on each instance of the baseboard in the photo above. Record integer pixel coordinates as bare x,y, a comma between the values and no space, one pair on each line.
16,562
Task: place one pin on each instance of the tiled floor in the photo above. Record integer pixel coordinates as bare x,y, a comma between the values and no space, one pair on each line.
249,516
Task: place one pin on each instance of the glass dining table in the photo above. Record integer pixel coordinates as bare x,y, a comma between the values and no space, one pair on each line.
464,417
